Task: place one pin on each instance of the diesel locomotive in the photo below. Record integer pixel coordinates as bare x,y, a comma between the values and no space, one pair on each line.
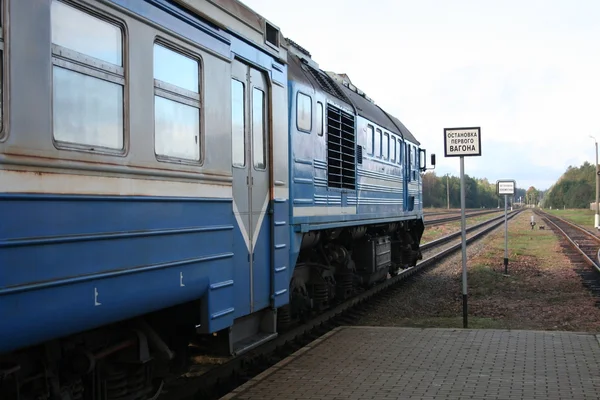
173,170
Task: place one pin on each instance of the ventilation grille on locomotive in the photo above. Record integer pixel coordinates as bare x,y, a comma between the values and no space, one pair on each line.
326,83
341,149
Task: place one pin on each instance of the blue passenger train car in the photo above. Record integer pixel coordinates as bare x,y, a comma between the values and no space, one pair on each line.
174,171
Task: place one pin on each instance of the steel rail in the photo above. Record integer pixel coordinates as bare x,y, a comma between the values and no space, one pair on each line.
456,218
549,218
442,240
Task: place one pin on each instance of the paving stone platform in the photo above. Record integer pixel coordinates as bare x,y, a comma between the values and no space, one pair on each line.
412,363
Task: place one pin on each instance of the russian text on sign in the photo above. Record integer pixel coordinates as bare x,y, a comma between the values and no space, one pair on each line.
462,142
506,187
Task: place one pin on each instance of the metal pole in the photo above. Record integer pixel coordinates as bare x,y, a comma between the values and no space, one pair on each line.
447,191
597,217
505,234
464,240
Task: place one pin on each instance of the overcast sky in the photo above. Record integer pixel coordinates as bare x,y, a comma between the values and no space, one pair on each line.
526,71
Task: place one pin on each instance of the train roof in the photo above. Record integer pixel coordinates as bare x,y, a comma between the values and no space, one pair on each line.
239,19
304,69
405,132
367,108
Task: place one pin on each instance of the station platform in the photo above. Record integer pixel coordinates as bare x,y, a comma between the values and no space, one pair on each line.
413,363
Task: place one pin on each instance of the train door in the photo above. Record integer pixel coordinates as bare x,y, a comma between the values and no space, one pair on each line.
405,174
251,187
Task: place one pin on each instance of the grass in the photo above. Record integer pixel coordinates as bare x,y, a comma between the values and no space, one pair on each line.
542,291
581,217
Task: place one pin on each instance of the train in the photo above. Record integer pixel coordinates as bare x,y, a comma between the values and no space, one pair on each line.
179,169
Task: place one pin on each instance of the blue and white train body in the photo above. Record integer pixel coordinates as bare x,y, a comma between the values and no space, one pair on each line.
173,170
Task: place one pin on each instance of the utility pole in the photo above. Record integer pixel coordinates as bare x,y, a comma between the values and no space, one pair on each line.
597,216
448,191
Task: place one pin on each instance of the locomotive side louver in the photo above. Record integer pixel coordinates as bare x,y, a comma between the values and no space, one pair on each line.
341,149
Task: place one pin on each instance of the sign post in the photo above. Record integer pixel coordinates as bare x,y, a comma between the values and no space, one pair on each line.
506,188
463,142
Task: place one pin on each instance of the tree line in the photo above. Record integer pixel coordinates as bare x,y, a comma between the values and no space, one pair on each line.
479,193
576,188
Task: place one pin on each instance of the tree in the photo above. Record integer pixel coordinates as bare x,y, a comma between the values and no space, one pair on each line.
532,196
576,188
479,192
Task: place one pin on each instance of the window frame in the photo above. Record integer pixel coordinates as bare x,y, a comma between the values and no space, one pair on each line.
377,152
309,130
264,129
321,114
400,152
243,166
393,154
415,168
74,61
371,139
3,72
181,95
409,162
386,138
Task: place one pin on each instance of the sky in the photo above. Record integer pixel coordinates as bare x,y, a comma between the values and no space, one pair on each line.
526,71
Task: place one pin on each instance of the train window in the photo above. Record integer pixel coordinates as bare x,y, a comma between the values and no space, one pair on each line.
303,112
258,128
319,118
370,138
238,126
88,79
176,105
408,163
175,68
84,33
415,163
393,149
400,151
385,146
377,145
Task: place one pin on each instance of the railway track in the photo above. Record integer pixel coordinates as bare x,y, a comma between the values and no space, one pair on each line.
586,243
447,212
438,221
225,377
583,249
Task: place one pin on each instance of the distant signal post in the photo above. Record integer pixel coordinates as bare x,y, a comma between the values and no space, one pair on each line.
506,188
463,142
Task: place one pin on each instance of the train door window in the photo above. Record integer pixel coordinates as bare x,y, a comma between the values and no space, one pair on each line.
415,163
258,128
1,67
303,112
408,163
385,146
370,138
176,105
238,126
393,149
319,118
88,79
377,145
400,152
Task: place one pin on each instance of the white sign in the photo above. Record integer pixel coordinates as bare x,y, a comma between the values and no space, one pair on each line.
506,187
459,142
